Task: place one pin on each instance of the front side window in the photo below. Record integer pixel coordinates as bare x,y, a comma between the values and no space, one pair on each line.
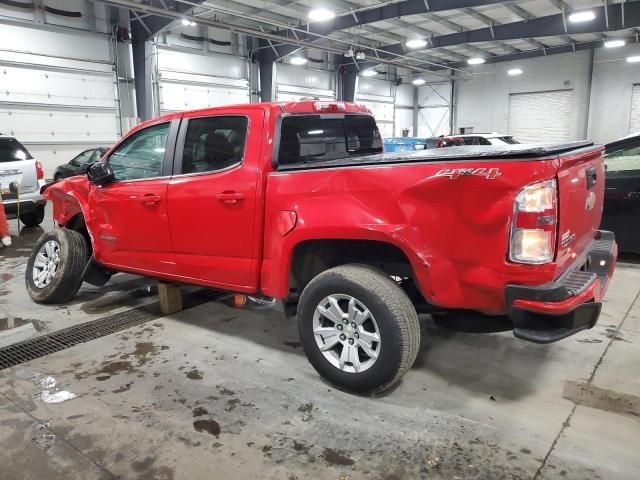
11,150
214,143
312,138
623,160
141,155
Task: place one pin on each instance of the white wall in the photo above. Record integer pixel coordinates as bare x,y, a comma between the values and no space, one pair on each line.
483,102
613,79
378,96
403,110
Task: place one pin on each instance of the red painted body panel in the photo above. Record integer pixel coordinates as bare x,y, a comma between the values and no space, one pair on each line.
454,231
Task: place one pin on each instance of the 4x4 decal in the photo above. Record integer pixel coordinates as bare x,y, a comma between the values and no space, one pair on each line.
455,173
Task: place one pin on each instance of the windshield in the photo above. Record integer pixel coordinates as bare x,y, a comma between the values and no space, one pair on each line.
12,150
311,138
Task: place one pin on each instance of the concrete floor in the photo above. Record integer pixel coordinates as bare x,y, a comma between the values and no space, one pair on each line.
218,392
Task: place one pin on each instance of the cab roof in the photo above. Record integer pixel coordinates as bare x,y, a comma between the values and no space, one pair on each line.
304,106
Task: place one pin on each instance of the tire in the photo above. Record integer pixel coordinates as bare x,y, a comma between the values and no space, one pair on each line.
34,218
57,178
70,249
392,316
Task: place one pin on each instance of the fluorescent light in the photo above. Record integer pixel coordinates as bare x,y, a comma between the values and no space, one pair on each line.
614,43
584,16
633,59
369,73
321,15
298,61
419,81
416,43
514,71
187,22
475,61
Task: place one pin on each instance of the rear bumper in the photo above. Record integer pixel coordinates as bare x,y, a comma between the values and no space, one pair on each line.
558,309
28,202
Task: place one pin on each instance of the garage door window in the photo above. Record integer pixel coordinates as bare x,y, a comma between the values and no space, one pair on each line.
214,143
141,155
623,160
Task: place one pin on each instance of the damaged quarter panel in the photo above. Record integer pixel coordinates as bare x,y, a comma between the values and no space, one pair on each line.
452,225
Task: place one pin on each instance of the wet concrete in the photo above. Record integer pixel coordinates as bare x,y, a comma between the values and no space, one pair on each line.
220,392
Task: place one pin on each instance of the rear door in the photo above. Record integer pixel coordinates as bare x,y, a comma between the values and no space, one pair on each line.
214,197
17,165
129,216
622,193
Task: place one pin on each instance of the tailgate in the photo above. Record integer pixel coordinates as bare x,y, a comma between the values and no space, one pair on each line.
581,196
21,171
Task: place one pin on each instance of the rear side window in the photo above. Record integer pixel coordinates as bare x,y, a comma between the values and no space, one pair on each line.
214,143
11,150
312,138
476,141
623,160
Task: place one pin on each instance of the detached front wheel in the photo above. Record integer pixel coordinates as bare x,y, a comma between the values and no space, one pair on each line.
358,328
54,269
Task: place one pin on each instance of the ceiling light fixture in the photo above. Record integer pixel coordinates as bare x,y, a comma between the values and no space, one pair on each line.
584,16
369,73
614,43
187,23
416,43
514,71
476,61
633,59
298,60
418,81
321,15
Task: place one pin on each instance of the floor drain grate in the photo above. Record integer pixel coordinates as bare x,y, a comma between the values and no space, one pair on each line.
43,345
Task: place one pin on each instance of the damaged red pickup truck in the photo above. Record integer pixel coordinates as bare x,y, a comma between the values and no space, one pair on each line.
296,201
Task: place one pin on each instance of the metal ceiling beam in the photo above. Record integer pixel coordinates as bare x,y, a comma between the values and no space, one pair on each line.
551,25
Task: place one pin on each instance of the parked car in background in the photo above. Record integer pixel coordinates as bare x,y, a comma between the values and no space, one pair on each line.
78,165
622,192
17,165
487,139
355,242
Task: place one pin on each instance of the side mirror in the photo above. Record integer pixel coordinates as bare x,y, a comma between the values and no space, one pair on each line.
100,173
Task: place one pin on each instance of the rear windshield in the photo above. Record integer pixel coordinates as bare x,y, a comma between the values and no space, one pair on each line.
12,150
315,138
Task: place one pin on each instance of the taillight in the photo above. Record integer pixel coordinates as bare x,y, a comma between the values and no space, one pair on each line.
39,171
535,219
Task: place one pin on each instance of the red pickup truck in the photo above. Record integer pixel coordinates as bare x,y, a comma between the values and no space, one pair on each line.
297,201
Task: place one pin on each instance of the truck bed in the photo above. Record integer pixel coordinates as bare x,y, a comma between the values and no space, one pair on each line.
472,152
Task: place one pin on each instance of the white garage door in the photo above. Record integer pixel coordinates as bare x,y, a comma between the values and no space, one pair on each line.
190,81
294,83
541,116
377,96
58,92
634,121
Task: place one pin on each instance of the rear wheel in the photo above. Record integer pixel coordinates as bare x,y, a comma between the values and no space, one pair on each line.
34,218
358,328
54,269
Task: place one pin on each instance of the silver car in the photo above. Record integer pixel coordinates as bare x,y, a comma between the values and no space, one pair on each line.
17,165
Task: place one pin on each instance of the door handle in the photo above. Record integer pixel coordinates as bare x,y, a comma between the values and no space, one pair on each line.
230,198
150,199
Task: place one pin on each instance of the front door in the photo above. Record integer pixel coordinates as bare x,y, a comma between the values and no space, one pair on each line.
129,216
622,193
213,196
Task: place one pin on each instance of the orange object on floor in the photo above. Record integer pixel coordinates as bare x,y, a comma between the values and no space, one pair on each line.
4,225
